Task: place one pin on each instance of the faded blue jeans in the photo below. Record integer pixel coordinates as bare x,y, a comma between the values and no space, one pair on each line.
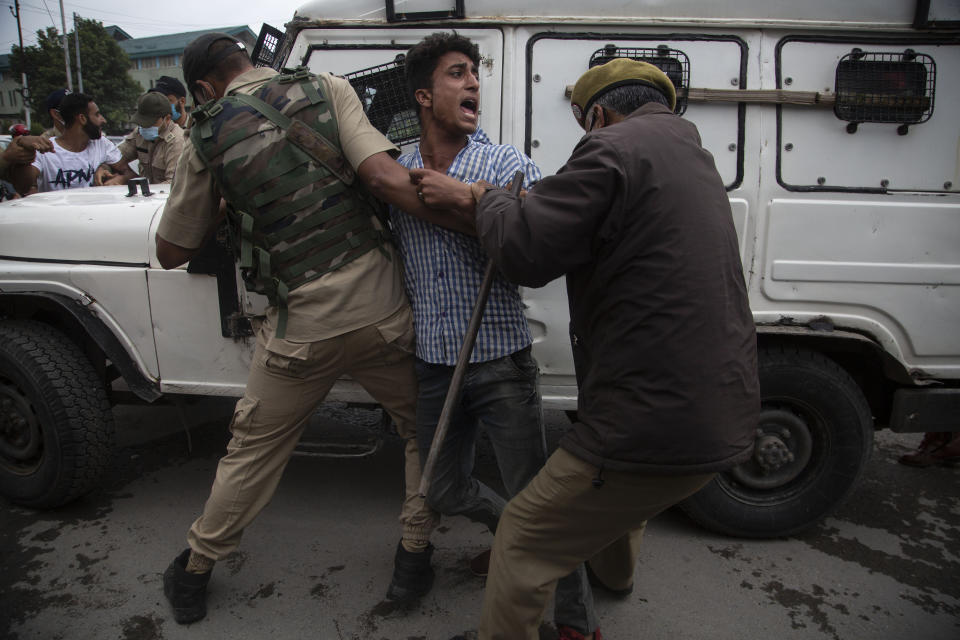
503,396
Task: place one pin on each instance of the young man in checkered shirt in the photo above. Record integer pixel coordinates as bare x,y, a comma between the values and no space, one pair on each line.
443,270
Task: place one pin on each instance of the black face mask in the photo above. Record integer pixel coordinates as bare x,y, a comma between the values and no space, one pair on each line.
93,132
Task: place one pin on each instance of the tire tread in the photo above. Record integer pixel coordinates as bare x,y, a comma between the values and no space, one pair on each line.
77,403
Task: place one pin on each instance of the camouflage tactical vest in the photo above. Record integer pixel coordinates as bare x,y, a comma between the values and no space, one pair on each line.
295,210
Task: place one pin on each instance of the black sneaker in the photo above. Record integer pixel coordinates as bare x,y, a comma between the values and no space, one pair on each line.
412,574
187,592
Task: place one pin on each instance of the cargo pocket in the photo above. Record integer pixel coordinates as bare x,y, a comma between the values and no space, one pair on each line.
286,358
399,338
243,417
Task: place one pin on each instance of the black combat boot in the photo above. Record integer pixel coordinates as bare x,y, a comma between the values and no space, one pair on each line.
412,574
187,592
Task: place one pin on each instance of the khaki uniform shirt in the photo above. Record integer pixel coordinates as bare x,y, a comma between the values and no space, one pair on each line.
358,294
158,158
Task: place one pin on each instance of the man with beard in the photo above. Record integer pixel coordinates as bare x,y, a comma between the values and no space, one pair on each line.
76,153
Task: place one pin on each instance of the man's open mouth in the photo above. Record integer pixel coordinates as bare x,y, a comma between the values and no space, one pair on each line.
469,106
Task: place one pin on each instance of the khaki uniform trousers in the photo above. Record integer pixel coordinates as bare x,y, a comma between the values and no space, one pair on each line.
287,381
560,520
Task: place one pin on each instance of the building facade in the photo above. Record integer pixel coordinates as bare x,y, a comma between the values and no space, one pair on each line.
11,98
150,58
157,56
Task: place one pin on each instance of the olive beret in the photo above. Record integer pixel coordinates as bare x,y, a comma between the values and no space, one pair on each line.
617,73
150,106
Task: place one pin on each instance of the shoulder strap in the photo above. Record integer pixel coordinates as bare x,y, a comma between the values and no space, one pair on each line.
308,139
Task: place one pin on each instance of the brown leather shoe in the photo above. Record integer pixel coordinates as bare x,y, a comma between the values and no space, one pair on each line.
480,564
927,454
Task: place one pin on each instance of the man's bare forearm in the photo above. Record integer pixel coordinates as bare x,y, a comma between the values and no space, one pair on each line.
171,256
391,183
24,178
123,174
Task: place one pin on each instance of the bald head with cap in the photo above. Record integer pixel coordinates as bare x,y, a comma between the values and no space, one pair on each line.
211,62
621,85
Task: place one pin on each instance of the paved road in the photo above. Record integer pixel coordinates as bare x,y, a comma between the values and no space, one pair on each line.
317,561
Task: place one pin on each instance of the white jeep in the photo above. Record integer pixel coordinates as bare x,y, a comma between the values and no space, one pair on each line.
848,217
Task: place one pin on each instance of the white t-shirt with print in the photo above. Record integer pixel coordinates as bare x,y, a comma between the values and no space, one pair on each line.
62,169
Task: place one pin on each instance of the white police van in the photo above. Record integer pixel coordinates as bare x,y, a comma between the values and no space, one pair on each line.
833,125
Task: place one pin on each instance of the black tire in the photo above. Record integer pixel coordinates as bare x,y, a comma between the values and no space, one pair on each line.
56,426
813,442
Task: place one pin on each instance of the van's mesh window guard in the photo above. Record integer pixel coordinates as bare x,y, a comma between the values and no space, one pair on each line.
383,92
266,51
885,87
672,62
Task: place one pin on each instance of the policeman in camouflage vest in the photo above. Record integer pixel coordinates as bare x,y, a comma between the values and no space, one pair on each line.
297,165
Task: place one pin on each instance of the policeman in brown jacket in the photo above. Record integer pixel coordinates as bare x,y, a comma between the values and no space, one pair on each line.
663,339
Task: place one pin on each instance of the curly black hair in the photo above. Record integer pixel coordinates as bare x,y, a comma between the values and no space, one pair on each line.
421,61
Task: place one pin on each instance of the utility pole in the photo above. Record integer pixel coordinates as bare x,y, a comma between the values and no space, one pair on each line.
66,51
23,76
76,39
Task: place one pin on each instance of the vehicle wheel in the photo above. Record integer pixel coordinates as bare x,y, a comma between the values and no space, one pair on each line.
56,426
812,443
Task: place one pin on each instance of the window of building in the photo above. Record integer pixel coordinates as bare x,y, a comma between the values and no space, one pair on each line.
167,61
148,63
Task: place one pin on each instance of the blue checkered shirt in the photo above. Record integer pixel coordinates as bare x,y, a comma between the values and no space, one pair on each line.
443,269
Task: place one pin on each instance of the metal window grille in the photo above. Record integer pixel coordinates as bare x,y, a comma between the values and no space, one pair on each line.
672,62
383,92
885,87
266,53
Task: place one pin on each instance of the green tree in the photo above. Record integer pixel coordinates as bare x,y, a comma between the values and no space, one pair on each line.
103,63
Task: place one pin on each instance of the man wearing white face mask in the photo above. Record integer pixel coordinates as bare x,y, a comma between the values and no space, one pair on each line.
157,142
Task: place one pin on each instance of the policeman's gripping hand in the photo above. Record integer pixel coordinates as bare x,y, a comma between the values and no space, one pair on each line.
102,175
440,191
479,188
37,143
23,149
